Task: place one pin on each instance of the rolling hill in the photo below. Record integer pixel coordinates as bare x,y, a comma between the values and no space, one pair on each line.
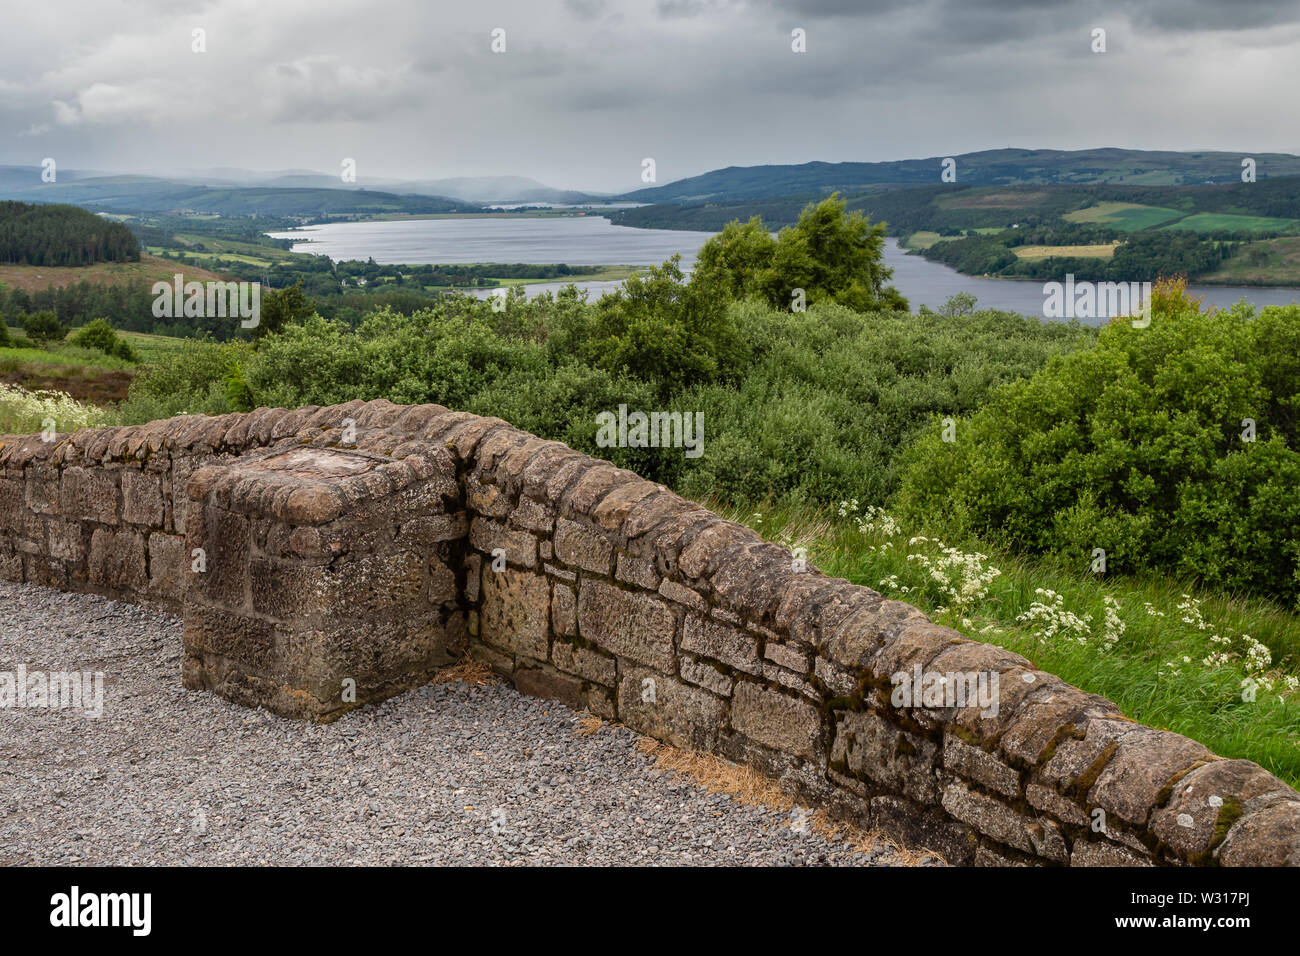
994,167
132,194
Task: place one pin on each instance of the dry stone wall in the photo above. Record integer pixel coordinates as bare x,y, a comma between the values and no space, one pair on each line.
351,550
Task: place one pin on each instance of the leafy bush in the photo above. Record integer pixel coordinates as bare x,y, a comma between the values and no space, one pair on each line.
282,307
44,328
100,335
1140,446
660,329
194,380
833,396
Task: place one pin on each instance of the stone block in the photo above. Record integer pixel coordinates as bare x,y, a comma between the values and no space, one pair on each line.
142,500
722,642
89,494
585,663
631,625
894,759
564,610
117,562
581,547
667,709
520,547
310,604
980,766
515,609
704,674
167,562
776,720
1205,802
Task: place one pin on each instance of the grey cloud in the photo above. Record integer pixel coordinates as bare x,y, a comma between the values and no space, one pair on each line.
588,87
586,9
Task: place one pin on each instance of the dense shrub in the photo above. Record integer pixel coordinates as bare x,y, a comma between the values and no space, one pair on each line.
833,396
813,406
44,328
661,329
195,379
100,335
1136,447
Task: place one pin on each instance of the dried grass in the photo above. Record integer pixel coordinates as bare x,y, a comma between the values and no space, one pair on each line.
589,724
468,671
747,786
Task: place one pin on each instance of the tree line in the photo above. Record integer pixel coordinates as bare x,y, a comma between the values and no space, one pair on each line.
59,235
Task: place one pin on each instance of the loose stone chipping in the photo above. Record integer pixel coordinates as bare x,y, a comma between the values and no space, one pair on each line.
339,572
168,777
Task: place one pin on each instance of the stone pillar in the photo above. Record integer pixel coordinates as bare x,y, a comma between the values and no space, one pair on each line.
319,579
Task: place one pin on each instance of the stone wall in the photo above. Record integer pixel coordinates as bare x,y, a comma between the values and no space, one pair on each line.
351,550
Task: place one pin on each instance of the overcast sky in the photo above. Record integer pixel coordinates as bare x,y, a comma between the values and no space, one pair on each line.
587,88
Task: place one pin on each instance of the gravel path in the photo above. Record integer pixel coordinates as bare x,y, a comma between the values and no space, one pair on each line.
452,773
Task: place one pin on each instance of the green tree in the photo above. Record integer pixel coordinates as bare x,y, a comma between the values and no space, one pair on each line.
44,328
737,259
961,303
665,331
829,255
283,307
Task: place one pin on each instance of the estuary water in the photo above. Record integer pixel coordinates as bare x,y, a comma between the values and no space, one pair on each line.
594,240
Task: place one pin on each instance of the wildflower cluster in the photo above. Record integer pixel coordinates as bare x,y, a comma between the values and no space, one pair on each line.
961,578
871,519
23,411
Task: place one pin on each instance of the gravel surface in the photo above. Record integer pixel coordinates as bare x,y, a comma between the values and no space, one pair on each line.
452,773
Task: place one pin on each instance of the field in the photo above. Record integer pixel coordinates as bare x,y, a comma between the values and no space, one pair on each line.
88,375
995,199
922,239
149,269
1123,215
1210,221
589,274
1102,250
152,348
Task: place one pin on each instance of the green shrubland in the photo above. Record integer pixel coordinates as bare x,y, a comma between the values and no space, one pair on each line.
1172,448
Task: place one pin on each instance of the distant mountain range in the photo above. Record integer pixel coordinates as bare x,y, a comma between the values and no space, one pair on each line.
308,193
481,190
288,192
994,167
